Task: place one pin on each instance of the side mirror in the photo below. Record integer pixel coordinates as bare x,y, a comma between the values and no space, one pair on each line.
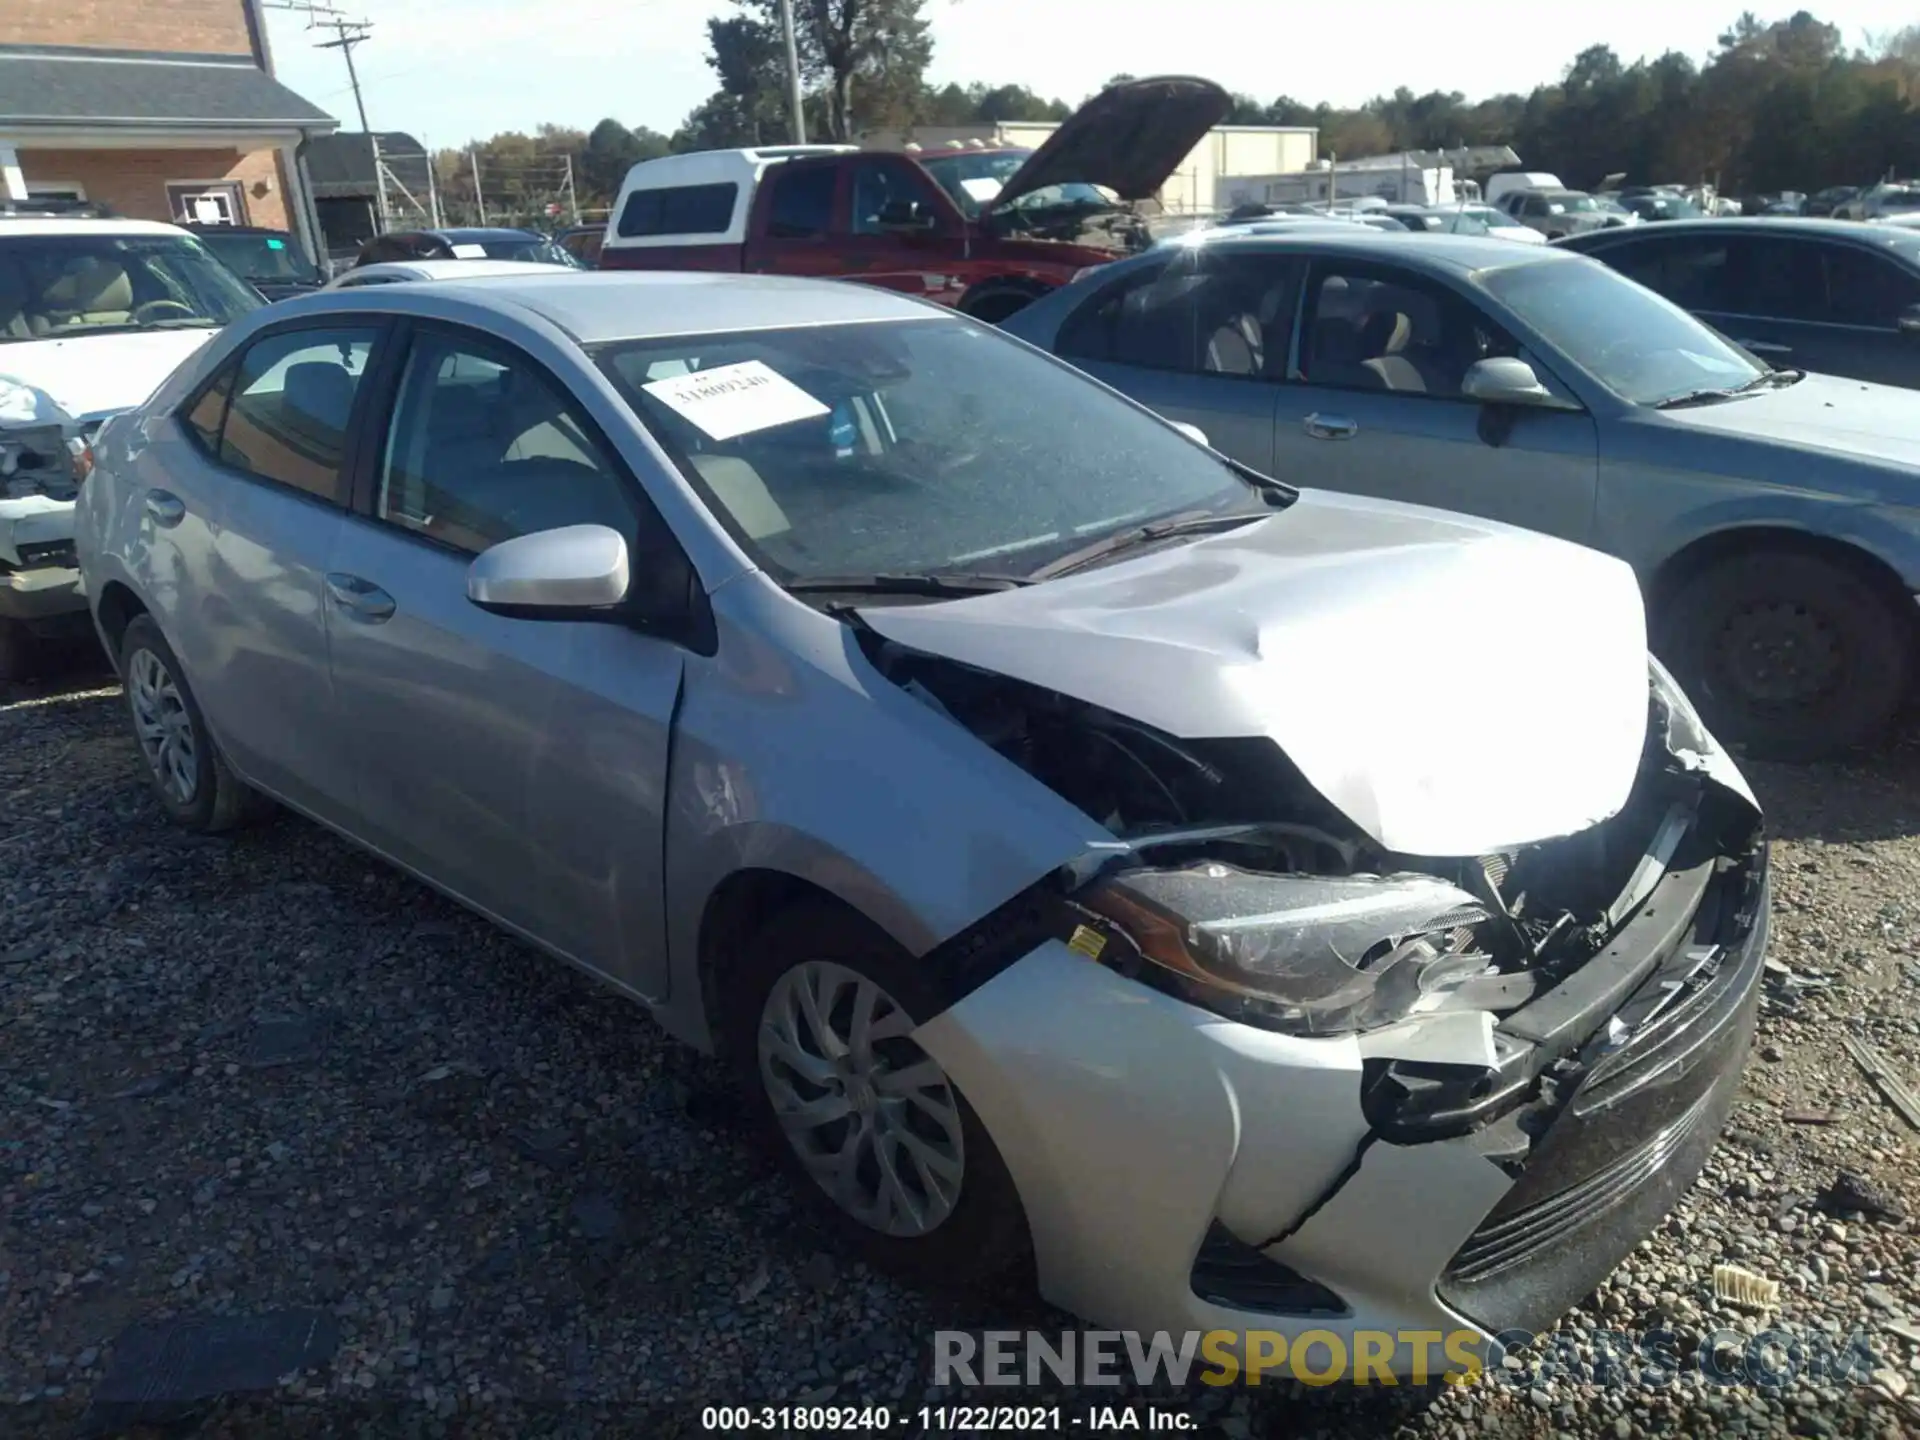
1506,380
1909,321
578,572
906,217
1192,432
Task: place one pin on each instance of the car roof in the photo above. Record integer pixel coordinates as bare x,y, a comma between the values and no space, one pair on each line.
1811,227
463,233
1459,254
439,270
83,225
594,306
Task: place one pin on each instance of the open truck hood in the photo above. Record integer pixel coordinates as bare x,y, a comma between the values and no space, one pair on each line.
1454,686
1128,139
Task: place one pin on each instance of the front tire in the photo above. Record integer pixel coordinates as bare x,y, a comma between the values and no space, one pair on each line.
878,1140
1793,656
191,781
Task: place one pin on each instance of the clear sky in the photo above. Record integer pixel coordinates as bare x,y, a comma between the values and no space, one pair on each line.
451,70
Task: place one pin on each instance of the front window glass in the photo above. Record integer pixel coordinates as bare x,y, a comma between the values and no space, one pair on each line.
65,286
974,177
293,396
272,258
1643,348
909,447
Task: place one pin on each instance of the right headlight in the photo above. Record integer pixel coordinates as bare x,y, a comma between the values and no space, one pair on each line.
1303,954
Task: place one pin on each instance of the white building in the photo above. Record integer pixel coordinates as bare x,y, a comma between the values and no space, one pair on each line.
1226,150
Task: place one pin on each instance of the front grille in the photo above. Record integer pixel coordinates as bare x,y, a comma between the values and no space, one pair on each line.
1519,1236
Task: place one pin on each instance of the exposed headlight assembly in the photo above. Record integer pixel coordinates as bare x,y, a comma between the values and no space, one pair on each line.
1304,954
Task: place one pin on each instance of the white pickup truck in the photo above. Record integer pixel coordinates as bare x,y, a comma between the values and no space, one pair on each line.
94,314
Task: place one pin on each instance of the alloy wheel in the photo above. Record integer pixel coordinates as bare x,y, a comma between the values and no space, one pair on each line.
871,1115
164,727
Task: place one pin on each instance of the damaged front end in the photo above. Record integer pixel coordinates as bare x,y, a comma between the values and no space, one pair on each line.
45,455
1566,1020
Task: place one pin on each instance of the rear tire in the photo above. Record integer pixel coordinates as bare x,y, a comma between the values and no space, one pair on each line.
999,306
954,1218
1791,655
190,779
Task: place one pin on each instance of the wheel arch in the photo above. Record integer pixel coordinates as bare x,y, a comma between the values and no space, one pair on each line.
1706,550
116,609
1000,288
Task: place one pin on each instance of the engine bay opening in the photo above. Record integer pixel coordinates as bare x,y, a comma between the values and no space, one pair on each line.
1245,889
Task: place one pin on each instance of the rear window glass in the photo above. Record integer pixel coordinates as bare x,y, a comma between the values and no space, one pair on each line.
678,210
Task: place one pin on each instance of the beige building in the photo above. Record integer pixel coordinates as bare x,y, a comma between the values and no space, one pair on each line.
161,109
1227,150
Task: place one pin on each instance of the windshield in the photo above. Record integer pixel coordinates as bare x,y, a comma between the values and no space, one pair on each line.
1579,204
916,447
539,252
57,286
1900,200
1492,218
974,177
1638,345
263,257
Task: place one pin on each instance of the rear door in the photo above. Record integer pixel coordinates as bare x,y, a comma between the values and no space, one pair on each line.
520,764
1373,406
925,263
1199,338
791,231
241,516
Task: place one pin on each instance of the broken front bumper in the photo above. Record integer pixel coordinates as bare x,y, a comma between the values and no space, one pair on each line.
1185,1172
48,598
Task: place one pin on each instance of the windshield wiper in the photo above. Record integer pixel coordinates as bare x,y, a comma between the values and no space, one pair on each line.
944,585
1732,392
1276,493
1196,524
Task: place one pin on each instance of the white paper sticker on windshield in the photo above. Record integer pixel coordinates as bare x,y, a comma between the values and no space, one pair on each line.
731,400
469,251
980,188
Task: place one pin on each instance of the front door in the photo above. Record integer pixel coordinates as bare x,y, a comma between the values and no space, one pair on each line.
924,263
240,521
520,764
1374,407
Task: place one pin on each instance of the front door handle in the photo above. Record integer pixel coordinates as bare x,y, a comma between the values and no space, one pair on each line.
166,508
1764,347
362,599
1330,427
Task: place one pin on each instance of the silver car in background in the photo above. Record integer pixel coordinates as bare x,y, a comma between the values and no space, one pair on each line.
1773,516
1085,851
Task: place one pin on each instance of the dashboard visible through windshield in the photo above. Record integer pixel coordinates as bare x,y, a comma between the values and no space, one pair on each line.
59,286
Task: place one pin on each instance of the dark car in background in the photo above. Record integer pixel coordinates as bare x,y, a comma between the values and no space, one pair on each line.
272,261
1654,205
473,242
1824,295
583,243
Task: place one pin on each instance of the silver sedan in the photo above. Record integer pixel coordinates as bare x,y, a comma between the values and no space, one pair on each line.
1082,849
1772,515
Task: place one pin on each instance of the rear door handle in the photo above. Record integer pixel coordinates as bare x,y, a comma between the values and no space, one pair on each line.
1330,427
362,599
166,508
1764,347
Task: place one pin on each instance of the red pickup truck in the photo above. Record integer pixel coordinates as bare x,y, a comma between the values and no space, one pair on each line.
985,230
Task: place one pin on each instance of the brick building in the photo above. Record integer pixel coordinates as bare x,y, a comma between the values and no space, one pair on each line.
161,109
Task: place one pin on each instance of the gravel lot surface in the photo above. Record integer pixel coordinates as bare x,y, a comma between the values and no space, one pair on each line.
267,1076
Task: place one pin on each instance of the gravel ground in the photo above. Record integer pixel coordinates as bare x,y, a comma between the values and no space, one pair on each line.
267,1075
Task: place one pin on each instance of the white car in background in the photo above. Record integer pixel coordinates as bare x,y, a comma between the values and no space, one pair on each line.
93,315
388,272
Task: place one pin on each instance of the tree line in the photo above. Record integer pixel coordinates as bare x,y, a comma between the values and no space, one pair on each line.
1778,105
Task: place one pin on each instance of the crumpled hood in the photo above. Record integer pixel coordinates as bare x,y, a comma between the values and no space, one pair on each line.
1852,418
87,374
1454,686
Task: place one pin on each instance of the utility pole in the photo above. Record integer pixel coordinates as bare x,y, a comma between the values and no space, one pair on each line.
793,74
573,195
347,34
478,199
433,188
